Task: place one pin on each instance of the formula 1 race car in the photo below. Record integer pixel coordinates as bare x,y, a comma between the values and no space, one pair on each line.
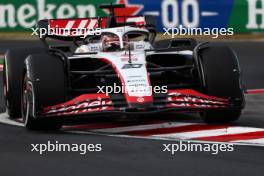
50,84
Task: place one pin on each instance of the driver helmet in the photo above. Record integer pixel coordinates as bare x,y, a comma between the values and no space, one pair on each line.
110,43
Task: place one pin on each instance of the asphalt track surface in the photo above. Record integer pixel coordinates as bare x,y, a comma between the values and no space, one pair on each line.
139,156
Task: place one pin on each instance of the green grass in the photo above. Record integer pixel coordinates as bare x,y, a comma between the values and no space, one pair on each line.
17,36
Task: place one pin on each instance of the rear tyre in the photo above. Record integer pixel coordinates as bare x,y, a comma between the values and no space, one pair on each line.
12,77
43,86
222,78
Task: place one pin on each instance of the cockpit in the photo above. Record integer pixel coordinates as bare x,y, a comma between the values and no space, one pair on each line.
116,41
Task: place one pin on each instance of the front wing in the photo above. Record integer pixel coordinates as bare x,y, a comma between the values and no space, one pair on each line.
181,100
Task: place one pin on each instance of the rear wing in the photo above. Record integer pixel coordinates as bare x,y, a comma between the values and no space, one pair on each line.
69,29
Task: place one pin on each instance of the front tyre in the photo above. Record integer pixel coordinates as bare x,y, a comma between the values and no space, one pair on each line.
43,86
222,78
12,77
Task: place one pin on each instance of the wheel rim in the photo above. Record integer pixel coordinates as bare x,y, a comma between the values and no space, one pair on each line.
5,86
25,100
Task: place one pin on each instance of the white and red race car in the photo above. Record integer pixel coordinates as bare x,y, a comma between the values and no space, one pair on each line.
50,84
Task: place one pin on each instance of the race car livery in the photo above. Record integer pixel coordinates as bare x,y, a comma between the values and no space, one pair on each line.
50,84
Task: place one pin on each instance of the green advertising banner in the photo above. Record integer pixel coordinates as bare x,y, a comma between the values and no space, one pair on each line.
243,15
18,15
247,16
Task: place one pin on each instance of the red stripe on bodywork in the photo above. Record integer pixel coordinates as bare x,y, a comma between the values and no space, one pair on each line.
233,137
76,24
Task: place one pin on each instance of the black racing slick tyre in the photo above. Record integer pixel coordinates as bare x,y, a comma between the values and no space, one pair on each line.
12,77
43,85
222,78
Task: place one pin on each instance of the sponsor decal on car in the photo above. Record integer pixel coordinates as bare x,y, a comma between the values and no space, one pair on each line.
192,99
140,99
129,66
126,58
96,105
82,104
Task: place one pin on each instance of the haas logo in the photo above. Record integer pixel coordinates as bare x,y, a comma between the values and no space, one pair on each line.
140,100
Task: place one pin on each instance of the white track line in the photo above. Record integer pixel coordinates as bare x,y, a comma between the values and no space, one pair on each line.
142,127
210,133
252,141
166,139
4,118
